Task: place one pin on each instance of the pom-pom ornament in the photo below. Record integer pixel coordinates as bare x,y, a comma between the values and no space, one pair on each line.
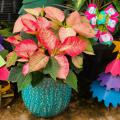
104,22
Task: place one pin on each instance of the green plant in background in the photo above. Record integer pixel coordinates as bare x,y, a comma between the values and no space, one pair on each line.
38,3
5,29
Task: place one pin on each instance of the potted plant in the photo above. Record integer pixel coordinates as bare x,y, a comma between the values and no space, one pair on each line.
45,45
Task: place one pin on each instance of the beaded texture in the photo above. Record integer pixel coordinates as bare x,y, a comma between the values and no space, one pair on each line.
47,99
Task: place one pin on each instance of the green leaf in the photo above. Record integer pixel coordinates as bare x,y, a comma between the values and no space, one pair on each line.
5,32
117,5
17,76
77,4
52,68
72,80
38,3
2,61
23,82
26,36
28,1
78,61
36,78
11,59
3,53
89,50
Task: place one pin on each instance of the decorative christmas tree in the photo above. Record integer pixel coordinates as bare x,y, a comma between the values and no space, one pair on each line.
107,86
38,3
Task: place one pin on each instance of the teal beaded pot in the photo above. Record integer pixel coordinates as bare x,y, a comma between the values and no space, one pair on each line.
47,99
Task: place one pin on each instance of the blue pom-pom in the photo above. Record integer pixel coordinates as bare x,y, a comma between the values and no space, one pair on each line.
47,99
108,96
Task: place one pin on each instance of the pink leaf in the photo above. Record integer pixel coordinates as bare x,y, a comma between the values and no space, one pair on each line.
80,24
29,26
54,13
26,48
35,11
38,61
19,25
43,22
23,60
73,46
64,66
14,39
25,69
47,38
85,30
113,67
73,19
4,73
66,32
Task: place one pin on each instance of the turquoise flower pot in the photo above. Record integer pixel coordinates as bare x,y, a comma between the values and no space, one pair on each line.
47,99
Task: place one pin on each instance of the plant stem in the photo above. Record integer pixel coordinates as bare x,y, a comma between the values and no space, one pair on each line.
106,5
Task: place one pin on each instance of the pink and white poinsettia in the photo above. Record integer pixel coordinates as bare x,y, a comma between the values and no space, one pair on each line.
65,41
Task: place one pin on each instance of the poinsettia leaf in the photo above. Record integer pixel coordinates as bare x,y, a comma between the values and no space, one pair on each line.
85,30
63,66
11,59
3,53
81,26
29,26
66,32
37,77
54,13
73,19
78,61
47,38
4,73
25,69
43,22
23,60
2,61
52,68
14,39
26,36
35,11
72,80
38,61
18,26
26,48
89,48
17,76
73,46
24,82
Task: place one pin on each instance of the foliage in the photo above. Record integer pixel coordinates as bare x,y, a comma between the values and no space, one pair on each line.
44,40
38,3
